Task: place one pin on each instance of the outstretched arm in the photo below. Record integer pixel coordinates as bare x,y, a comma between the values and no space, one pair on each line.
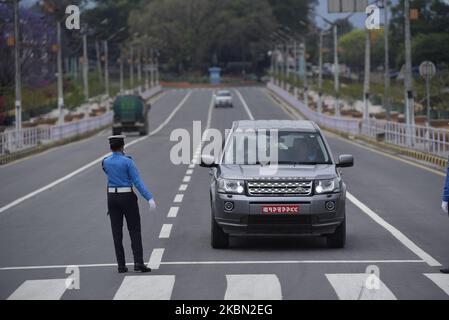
137,181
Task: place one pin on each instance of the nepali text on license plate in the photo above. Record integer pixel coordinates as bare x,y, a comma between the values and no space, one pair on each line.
275,208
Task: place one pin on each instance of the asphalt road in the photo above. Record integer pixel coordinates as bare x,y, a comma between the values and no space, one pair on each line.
395,224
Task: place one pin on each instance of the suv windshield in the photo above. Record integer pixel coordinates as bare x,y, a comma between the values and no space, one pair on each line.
276,147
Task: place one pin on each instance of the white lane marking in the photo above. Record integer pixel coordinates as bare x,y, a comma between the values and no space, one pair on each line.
352,286
172,114
183,187
395,232
192,165
165,231
186,179
114,264
173,212
441,280
248,111
178,198
145,288
189,171
291,262
253,287
156,258
48,289
90,164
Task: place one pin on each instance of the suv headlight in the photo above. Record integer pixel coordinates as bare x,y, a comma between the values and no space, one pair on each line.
326,186
231,186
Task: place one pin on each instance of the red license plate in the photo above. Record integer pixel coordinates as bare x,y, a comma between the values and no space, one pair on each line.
280,209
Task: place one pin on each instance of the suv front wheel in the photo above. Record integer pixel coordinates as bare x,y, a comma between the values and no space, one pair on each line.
219,239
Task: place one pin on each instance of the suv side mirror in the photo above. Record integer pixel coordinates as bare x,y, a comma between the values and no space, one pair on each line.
208,161
345,161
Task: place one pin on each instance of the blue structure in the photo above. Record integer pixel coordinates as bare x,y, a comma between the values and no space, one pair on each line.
214,75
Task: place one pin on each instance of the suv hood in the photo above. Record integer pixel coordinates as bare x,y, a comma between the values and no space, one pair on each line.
257,172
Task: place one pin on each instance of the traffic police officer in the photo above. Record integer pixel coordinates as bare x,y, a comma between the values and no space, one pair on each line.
122,202
444,205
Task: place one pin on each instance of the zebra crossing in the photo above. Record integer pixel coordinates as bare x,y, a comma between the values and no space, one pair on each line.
345,286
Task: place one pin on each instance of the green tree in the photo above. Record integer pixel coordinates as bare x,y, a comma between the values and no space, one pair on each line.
289,12
433,19
193,31
352,47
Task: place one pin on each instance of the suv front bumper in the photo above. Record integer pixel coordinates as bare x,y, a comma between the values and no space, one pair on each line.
246,217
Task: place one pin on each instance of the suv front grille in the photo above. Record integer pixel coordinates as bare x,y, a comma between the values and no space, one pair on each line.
279,188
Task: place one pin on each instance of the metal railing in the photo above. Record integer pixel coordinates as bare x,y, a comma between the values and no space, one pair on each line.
426,139
421,138
11,141
346,125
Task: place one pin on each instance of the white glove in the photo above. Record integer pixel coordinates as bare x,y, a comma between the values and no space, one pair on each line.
444,206
152,204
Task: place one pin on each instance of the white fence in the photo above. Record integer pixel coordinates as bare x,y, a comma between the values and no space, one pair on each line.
421,138
11,142
431,140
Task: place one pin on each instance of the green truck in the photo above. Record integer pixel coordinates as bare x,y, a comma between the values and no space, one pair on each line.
130,115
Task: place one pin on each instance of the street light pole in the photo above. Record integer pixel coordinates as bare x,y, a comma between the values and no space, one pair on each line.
287,65
320,75
272,64
85,68
18,83
366,84
157,70
336,72
97,49
410,112
139,69
131,67
106,68
60,75
152,67
147,82
121,72
387,106
305,81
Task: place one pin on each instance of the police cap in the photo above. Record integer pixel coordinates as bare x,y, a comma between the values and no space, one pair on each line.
116,141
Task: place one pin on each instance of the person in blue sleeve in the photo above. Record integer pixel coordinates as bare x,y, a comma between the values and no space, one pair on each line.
122,202
444,205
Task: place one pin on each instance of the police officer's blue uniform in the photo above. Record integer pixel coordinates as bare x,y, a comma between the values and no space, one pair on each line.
444,205
122,202
446,187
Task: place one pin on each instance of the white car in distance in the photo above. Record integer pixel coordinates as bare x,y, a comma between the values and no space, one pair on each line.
223,98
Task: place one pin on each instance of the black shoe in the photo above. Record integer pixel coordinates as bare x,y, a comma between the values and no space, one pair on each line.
141,268
122,269
445,270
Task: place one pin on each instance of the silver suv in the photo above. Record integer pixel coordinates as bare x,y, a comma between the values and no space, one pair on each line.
277,178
